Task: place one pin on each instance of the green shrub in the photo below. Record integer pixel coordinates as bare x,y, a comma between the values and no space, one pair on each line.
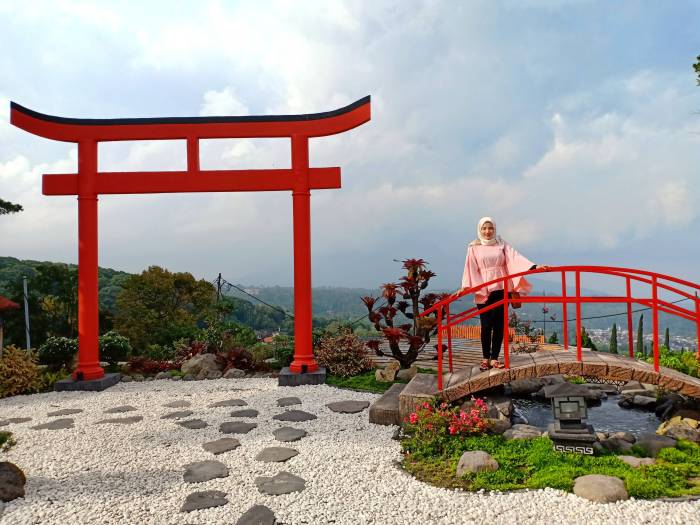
160,352
114,347
283,349
49,378
684,361
6,441
58,352
19,373
262,351
343,354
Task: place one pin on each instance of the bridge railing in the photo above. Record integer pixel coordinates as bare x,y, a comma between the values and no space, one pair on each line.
657,282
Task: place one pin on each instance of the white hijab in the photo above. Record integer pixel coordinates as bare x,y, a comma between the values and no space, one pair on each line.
482,240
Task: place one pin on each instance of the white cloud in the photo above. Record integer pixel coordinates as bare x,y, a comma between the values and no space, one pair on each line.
223,102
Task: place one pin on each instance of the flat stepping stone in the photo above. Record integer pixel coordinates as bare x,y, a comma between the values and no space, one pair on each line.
200,471
130,420
236,427
257,515
348,407
177,414
221,445
205,499
179,404
289,434
276,454
120,409
56,424
65,412
193,424
288,401
245,413
282,483
229,403
19,419
294,415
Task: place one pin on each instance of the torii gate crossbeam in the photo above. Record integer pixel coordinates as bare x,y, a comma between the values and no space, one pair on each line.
88,183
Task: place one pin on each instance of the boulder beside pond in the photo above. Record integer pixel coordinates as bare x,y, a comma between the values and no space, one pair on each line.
522,432
680,428
653,443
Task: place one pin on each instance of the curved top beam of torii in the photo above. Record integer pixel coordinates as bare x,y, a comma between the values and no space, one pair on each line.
171,128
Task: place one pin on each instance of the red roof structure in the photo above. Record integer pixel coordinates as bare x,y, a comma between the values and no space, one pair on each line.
6,304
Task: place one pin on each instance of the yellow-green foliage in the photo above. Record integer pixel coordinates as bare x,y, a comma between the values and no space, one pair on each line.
19,373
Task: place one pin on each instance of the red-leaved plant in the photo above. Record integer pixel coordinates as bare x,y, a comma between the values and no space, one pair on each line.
418,331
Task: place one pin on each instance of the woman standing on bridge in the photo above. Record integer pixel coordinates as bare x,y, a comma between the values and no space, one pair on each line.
490,257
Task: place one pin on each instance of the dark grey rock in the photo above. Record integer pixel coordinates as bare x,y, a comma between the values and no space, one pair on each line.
294,415
524,387
176,378
288,401
4,423
121,420
162,375
202,375
178,414
288,434
647,402
126,378
200,471
616,444
229,403
205,499
276,454
234,373
599,488
215,374
249,412
522,432
12,481
282,483
178,404
120,410
188,377
257,515
137,377
236,427
627,436
65,412
149,378
221,445
476,461
56,424
653,443
565,390
348,407
193,424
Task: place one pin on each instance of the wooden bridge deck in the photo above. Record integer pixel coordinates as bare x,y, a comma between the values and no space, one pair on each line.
470,379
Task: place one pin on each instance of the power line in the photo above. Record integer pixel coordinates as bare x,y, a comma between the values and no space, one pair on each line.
229,286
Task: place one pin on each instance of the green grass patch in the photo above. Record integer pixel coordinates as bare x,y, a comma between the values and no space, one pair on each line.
365,382
6,441
533,464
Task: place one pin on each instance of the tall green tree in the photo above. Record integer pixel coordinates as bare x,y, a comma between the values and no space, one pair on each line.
613,339
640,335
586,341
553,339
8,207
667,339
158,307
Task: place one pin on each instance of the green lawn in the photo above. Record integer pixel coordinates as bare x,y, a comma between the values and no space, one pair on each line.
533,464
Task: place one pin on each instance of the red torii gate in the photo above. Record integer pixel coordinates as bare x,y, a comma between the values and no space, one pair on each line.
88,183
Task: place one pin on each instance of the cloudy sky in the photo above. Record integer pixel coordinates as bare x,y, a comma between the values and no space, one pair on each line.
574,123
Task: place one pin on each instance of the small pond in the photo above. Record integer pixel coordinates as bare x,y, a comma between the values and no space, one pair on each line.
607,417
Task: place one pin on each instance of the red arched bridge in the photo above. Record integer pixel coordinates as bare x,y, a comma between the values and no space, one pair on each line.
457,384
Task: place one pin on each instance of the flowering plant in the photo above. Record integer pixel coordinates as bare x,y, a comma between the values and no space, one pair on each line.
445,420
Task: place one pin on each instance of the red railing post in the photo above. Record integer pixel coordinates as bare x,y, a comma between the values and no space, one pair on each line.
439,348
655,322
629,317
449,337
697,321
578,316
565,325
506,331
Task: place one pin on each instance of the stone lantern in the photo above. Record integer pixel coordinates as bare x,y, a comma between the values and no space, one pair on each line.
570,432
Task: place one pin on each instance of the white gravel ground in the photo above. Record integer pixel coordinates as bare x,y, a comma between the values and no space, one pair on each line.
133,474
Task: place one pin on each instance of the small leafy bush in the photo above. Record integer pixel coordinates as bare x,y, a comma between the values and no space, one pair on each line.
262,351
6,441
283,349
19,373
58,352
160,352
114,348
684,361
343,354
431,429
144,365
49,378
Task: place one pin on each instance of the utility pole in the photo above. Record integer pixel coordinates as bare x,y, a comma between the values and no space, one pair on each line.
218,288
26,312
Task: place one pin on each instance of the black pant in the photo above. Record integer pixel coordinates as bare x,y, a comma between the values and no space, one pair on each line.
492,327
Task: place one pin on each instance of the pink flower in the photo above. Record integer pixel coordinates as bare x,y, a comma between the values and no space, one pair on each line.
413,418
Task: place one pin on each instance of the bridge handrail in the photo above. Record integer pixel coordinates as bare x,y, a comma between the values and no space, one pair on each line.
654,279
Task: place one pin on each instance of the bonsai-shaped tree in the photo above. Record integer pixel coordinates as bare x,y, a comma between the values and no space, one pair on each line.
418,331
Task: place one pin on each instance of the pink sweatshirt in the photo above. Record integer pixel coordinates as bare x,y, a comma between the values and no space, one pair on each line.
485,263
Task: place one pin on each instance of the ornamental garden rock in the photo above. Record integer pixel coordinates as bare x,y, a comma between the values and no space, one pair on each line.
476,461
12,481
599,488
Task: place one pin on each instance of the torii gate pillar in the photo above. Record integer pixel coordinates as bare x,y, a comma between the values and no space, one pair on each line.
88,183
